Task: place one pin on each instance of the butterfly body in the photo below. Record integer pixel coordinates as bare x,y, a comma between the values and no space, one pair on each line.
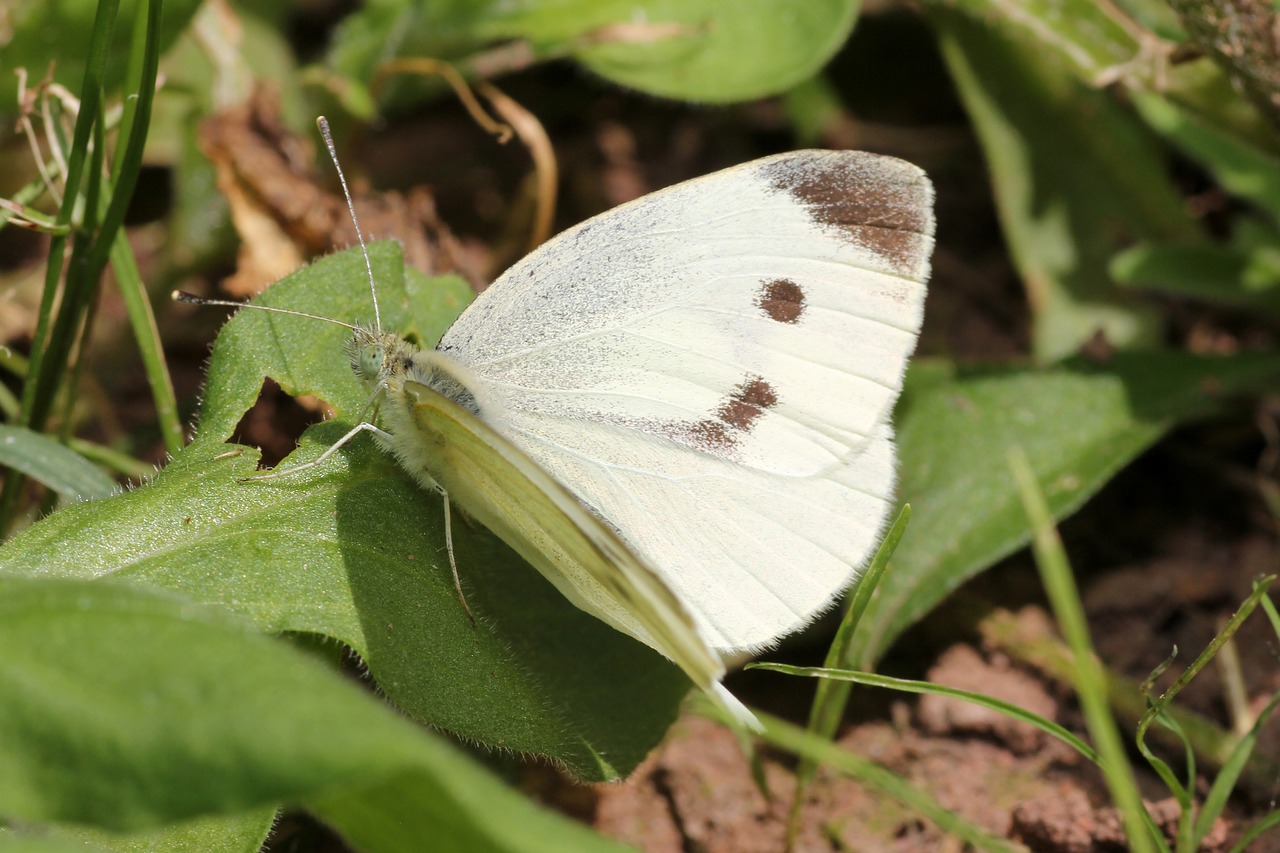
435,426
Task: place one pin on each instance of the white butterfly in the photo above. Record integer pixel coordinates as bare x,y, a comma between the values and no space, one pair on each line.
679,411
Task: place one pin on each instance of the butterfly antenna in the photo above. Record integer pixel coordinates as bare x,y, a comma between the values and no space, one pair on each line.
323,124
192,299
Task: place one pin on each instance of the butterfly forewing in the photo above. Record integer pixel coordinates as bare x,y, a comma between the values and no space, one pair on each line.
744,314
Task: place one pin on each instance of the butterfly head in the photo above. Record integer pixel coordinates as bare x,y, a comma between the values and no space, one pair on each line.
365,354
377,355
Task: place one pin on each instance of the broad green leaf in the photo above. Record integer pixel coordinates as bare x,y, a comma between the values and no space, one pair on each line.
1076,179
1245,277
1091,38
355,550
51,462
309,356
696,50
702,50
388,815
1129,43
1079,425
245,832
126,708
1240,167
36,844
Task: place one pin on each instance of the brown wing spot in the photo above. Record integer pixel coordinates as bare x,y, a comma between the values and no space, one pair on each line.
781,300
747,403
734,417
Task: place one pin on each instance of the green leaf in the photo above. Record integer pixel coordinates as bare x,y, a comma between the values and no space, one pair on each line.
355,550
51,462
126,709
1090,38
245,832
1248,277
699,50
696,50
1079,424
1076,179
1242,168
467,811
16,844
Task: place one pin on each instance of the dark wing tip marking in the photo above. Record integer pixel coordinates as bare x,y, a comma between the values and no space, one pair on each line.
880,203
781,300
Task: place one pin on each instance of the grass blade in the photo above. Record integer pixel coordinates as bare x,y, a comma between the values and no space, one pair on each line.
832,695
924,687
1090,680
53,463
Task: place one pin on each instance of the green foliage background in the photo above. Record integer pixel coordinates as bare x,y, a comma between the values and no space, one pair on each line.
143,705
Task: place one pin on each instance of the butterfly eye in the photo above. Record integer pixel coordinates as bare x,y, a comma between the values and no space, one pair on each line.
371,358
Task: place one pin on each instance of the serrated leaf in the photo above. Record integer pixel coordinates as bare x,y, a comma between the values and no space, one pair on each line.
355,550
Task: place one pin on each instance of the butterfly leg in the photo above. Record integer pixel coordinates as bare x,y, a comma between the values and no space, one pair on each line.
453,564
363,426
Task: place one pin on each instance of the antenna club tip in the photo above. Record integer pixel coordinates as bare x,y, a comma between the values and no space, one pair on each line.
181,296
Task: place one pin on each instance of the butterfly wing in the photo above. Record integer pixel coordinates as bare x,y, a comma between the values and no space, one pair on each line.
712,368
763,314
753,554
